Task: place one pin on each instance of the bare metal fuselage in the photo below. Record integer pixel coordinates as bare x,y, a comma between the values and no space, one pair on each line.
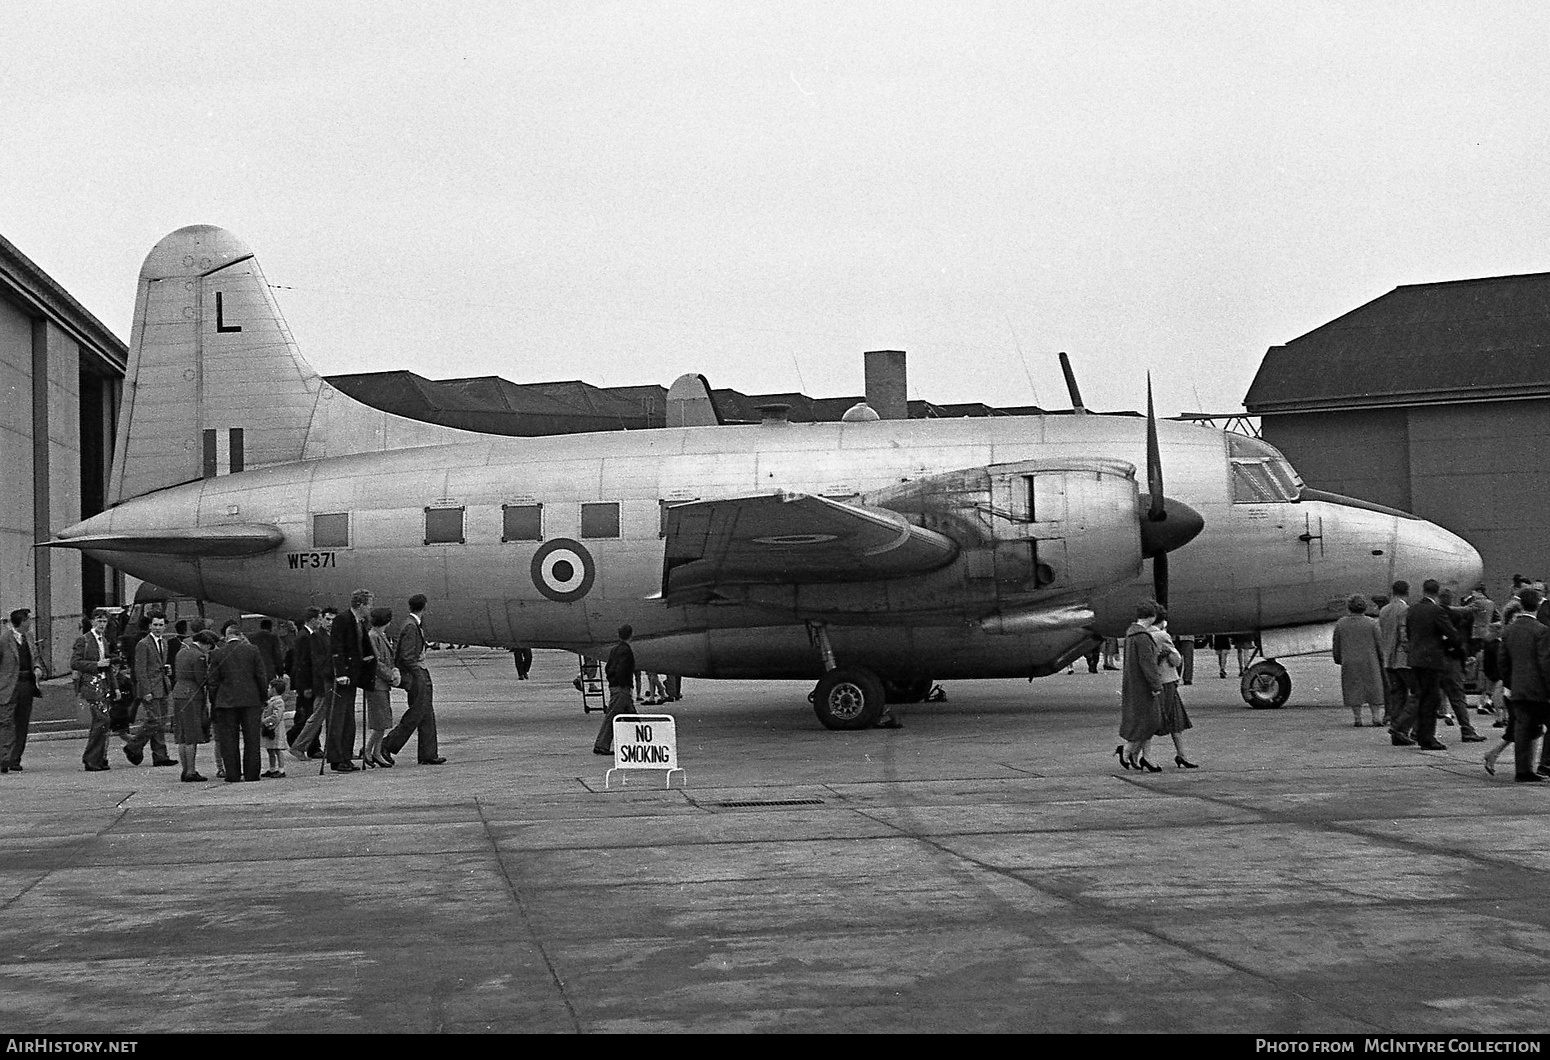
1255,566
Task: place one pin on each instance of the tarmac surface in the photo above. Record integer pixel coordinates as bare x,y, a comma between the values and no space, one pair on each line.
989,867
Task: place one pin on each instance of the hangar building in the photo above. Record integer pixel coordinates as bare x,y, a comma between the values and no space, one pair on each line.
63,371
1435,399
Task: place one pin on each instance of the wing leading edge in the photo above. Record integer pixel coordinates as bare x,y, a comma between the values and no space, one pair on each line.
790,538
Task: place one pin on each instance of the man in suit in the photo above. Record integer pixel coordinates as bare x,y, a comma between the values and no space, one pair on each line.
315,673
89,661
269,649
420,717
1523,660
354,668
19,677
153,684
241,687
1431,639
1398,681
312,676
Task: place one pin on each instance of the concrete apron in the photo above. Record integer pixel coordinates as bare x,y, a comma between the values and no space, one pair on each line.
988,867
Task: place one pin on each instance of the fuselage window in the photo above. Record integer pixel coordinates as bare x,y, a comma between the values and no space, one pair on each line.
444,526
600,520
331,531
522,522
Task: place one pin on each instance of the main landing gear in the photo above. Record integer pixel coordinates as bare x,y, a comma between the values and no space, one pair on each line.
848,697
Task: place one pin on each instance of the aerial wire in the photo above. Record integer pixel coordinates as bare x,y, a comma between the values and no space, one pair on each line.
1026,370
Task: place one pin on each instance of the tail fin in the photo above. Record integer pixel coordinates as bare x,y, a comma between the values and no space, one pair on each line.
216,384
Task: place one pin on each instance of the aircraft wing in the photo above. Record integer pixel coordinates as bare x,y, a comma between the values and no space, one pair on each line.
787,538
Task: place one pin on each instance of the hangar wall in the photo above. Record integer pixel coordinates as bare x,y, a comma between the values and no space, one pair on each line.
61,374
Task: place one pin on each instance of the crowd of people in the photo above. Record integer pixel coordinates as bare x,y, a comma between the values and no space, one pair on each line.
195,687
1409,666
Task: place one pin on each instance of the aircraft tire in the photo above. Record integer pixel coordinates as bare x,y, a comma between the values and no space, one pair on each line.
904,691
849,697
1266,685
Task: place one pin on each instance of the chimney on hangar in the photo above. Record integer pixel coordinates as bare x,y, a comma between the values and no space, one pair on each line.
885,384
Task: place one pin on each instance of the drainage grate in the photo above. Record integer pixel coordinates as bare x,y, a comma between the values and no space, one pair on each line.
773,802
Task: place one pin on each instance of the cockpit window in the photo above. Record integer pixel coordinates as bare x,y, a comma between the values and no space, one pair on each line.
1260,474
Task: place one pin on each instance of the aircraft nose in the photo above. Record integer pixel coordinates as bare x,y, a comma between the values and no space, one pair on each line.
1179,527
1426,550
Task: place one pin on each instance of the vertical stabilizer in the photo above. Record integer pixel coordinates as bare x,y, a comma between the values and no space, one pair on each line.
216,384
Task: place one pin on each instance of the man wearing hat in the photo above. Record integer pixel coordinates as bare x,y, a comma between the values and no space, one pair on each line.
19,677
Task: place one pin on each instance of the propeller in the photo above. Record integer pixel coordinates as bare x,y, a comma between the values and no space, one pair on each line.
1167,524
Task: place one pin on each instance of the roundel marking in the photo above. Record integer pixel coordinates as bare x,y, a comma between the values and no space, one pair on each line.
563,570
795,539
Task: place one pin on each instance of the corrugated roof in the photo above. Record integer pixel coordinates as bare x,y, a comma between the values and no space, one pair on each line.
1464,340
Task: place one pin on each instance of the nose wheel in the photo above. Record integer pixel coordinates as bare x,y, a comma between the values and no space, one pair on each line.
1266,685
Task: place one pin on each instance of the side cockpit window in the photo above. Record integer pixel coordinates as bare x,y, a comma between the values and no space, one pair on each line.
1260,474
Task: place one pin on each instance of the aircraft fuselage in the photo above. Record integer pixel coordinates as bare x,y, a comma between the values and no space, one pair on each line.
577,567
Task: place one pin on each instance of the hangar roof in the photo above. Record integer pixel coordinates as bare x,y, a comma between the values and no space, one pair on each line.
1421,344
22,282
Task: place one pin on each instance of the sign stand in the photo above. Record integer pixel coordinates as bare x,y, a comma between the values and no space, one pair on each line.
645,741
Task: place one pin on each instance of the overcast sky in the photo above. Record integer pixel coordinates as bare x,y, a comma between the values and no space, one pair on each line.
622,192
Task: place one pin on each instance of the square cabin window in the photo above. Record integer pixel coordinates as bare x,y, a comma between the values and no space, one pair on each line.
444,526
600,520
331,531
522,522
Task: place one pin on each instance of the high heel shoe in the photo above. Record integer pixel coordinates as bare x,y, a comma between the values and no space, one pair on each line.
1119,752
1142,763
1180,763
368,762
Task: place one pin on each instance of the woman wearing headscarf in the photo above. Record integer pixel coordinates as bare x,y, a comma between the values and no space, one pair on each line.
190,707
1141,689
1358,651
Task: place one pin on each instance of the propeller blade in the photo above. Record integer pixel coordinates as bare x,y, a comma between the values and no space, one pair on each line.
1160,578
1154,476
1076,395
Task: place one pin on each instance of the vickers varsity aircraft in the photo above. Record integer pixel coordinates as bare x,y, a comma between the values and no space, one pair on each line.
873,556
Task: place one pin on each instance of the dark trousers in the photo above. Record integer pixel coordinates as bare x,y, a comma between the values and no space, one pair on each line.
341,726
1399,699
1428,695
620,701
420,717
229,724
1453,691
15,718
1528,719
524,659
95,756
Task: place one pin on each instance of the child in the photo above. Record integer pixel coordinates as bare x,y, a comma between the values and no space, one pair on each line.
271,722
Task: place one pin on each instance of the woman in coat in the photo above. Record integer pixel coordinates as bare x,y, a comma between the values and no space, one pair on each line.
1141,691
1358,650
190,707
1174,718
379,707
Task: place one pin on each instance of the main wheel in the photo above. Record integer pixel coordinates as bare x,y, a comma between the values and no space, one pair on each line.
1266,685
906,691
850,697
